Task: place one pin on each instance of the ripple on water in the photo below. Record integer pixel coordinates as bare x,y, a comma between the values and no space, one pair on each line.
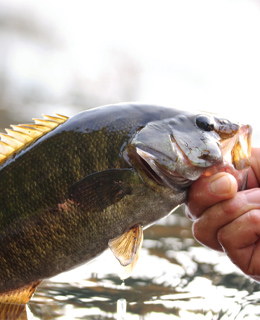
175,278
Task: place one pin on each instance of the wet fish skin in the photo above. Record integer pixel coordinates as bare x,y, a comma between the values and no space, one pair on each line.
64,197
41,233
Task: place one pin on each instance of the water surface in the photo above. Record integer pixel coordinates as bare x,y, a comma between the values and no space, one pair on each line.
175,278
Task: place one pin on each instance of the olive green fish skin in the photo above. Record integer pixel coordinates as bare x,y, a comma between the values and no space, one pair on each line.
51,219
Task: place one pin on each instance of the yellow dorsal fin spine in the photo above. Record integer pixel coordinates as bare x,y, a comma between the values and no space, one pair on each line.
62,116
29,131
2,158
19,136
12,142
47,123
5,149
55,119
23,134
39,127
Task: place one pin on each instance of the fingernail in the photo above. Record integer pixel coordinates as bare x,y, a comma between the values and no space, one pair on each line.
221,185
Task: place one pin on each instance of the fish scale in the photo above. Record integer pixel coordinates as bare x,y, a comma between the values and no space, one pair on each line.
43,194
81,185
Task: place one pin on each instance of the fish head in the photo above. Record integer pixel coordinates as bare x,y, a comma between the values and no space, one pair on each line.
176,151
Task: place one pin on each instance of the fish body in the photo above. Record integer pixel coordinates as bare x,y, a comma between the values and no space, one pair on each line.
101,173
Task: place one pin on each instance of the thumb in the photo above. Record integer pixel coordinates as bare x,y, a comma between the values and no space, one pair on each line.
207,191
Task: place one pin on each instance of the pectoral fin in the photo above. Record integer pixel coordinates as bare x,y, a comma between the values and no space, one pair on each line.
99,190
12,303
126,249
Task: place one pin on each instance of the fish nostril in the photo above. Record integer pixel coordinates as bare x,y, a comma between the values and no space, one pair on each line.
205,154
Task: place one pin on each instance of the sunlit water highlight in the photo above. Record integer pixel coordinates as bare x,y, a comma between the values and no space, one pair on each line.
174,279
121,309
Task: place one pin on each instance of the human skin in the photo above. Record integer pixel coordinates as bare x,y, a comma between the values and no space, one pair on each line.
227,220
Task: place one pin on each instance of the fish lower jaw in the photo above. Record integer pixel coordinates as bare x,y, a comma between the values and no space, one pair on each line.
160,174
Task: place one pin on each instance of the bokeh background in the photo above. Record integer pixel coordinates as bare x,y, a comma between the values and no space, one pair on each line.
67,56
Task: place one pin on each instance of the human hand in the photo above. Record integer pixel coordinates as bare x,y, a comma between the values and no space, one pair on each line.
227,220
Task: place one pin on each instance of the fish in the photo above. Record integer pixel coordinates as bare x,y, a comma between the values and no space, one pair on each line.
71,188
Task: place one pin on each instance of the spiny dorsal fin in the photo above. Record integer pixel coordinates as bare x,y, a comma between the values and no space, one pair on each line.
23,134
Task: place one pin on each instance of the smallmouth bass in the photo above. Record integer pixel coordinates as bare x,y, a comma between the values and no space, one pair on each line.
71,188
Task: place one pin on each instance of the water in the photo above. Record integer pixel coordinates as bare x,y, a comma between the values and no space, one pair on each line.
175,278
121,309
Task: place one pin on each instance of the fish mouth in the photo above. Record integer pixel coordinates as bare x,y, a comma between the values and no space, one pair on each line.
241,152
179,173
236,153
161,174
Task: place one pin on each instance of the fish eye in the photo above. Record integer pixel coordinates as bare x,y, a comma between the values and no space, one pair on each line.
205,123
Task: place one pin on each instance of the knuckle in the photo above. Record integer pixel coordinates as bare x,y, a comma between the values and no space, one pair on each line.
224,238
233,205
221,236
208,239
254,217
